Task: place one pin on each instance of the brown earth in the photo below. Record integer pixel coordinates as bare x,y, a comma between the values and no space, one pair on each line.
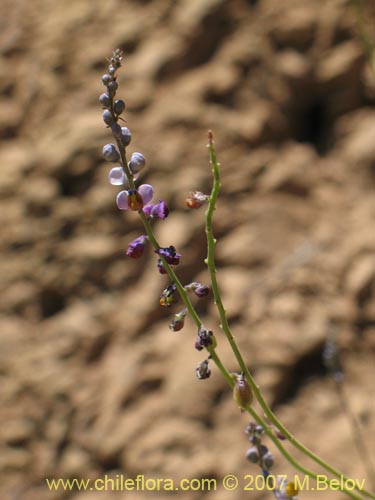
92,380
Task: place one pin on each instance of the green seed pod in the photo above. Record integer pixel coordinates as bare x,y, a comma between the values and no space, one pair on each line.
242,393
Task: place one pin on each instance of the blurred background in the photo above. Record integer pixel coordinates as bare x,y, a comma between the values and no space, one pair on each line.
92,380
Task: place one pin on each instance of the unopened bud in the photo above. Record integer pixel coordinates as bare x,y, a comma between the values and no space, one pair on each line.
252,455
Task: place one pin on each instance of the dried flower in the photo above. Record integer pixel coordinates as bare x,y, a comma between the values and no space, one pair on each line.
168,296
178,322
136,247
170,255
199,289
203,370
196,199
205,338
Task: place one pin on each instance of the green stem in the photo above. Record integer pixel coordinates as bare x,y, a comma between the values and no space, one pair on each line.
210,261
171,274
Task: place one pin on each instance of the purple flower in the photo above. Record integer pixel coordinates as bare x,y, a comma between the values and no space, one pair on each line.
136,247
135,199
158,210
169,254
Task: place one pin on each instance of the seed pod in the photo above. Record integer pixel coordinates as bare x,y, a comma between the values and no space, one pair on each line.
242,393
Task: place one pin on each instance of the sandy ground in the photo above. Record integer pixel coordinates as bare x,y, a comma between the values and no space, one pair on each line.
92,380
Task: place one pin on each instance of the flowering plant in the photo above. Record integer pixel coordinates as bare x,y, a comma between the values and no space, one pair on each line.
139,199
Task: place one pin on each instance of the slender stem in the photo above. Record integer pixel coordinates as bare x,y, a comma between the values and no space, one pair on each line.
210,261
172,275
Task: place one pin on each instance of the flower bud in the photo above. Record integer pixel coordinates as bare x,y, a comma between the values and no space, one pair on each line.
108,117
116,176
252,455
122,200
137,163
242,393
268,460
126,136
119,106
105,100
110,153
111,70
106,79
116,130
112,87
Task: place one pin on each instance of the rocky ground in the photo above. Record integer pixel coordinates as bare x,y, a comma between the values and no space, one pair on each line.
92,380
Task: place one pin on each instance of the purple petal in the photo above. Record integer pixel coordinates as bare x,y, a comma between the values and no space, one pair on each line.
136,247
147,193
116,176
122,200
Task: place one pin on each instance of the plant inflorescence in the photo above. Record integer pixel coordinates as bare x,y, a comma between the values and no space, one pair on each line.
140,199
